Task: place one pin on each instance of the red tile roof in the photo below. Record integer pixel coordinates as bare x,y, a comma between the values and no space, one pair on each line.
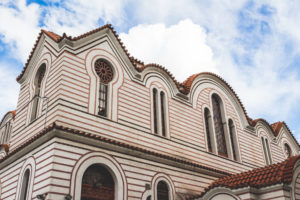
52,35
277,127
140,66
13,113
260,177
257,178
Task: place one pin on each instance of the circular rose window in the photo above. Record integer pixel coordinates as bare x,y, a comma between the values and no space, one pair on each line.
104,71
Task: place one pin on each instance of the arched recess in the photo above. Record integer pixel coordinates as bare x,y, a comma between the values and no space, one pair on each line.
295,181
220,193
208,80
104,160
118,77
265,140
285,141
152,73
234,140
220,125
6,127
46,61
159,107
28,168
162,178
209,130
147,195
285,136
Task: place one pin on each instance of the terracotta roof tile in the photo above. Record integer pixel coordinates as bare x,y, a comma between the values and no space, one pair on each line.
257,178
139,65
260,177
52,35
277,127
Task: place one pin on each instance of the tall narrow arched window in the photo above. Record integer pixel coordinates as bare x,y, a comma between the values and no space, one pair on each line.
37,91
162,191
287,150
219,128
105,72
25,184
162,112
266,150
208,129
269,152
155,111
159,112
232,133
97,184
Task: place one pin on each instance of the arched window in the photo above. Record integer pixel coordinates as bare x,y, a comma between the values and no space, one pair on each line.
155,113
25,184
148,198
162,191
105,72
208,129
266,149
219,128
159,112
97,184
232,133
162,112
287,150
37,91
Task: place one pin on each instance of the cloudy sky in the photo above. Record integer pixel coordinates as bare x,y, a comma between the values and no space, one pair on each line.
253,45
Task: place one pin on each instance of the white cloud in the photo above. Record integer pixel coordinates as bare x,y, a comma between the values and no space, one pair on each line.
19,27
181,48
9,88
77,16
210,41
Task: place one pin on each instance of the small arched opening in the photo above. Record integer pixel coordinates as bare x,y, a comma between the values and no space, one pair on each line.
162,191
97,184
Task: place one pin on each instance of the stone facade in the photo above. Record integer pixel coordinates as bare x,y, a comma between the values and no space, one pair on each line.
93,122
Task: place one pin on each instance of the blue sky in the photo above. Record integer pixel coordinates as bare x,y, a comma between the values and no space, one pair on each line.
253,45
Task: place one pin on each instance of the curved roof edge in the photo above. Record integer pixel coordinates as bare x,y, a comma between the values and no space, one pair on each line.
13,113
275,127
183,87
259,177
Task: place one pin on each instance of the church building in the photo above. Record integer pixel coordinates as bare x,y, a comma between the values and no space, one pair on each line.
94,123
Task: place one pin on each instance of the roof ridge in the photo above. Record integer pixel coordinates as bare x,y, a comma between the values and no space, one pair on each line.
183,87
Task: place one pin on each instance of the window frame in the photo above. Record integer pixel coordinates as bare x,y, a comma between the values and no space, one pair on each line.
159,112
108,87
38,92
223,125
266,149
233,140
211,130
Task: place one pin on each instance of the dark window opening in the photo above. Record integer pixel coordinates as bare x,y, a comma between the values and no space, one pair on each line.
163,120
155,111
97,184
208,131
25,184
219,128
37,92
232,136
162,191
269,152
